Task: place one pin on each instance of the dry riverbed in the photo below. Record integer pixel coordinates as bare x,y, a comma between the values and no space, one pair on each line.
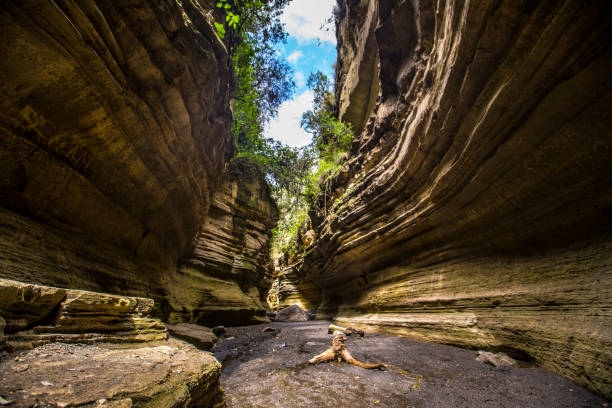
270,369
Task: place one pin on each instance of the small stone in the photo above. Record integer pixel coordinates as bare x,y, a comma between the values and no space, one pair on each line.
200,336
497,360
46,383
268,329
21,368
218,330
5,401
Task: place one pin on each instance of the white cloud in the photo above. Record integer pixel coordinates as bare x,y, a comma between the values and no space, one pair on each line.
300,81
295,56
304,18
286,126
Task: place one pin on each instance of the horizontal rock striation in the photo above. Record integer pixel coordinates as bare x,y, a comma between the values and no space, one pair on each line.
229,264
37,315
73,359
475,209
114,144
115,119
291,287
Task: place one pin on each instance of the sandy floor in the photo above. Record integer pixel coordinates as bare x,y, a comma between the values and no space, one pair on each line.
263,369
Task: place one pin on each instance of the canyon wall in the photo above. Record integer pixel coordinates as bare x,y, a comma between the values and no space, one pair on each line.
476,206
226,275
114,147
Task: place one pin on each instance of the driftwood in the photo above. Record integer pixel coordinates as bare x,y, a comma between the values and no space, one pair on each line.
346,330
339,352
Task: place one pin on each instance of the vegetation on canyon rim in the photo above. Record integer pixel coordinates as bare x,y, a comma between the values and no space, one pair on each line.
263,82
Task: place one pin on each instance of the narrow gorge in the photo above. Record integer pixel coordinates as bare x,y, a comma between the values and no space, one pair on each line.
474,208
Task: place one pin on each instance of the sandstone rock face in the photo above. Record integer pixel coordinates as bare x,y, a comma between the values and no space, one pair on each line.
114,139
40,314
357,66
115,119
229,263
291,287
23,306
152,370
475,209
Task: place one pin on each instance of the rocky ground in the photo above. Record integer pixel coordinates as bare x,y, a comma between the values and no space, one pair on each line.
164,375
270,369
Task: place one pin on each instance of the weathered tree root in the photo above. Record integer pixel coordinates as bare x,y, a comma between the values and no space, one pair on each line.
339,352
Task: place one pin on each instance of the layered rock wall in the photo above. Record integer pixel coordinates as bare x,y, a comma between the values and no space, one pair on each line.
290,286
114,120
114,140
475,209
229,264
36,315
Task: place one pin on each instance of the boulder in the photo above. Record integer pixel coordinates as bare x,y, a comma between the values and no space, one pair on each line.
496,359
292,313
200,336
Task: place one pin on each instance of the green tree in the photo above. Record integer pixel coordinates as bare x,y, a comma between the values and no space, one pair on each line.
262,82
330,136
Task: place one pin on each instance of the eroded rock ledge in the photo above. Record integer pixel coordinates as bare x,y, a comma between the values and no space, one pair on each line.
88,349
475,209
35,315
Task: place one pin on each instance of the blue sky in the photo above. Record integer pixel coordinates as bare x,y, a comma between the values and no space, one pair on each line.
308,49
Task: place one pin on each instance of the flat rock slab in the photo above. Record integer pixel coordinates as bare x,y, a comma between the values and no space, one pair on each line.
264,370
200,336
168,374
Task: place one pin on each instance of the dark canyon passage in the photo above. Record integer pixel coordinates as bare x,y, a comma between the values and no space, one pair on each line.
474,208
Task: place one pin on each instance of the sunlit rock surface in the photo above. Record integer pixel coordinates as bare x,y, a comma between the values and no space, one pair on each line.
291,287
475,209
114,144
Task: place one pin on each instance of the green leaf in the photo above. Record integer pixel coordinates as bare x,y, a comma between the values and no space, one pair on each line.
220,29
219,5
233,20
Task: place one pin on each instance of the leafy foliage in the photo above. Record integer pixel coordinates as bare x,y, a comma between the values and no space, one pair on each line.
331,139
330,136
262,81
